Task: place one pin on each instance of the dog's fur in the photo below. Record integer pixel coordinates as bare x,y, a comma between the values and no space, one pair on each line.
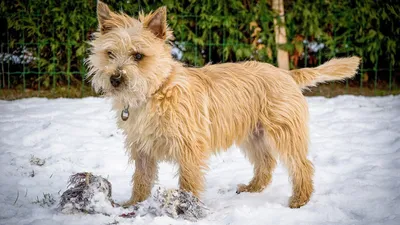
183,114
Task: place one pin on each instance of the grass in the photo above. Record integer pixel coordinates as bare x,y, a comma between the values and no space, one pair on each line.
327,90
335,89
47,201
58,92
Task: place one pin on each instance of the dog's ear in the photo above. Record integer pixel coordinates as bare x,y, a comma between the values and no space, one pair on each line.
103,14
157,23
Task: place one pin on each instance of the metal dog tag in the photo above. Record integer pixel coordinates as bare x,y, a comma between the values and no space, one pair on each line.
125,114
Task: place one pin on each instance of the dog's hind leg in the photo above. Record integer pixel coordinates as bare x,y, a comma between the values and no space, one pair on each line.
261,154
301,171
292,144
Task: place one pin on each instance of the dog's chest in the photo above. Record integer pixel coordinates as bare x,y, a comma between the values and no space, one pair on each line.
147,133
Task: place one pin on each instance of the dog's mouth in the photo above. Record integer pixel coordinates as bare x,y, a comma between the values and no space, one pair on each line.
115,90
110,91
101,91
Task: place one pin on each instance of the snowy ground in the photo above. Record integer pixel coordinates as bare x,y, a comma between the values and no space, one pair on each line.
355,147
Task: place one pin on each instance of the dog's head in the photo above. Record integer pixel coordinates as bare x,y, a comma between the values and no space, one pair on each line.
129,58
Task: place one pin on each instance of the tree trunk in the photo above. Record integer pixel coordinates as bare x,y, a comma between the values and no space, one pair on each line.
280,34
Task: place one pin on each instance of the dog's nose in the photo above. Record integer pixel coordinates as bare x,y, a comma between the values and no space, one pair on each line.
115,80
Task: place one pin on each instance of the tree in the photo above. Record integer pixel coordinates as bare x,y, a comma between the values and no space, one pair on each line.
280,34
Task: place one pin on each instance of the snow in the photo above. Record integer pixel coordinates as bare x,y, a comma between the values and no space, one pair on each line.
355,148
19,56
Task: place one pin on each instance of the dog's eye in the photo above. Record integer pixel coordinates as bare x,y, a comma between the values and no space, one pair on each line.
110,54
138,56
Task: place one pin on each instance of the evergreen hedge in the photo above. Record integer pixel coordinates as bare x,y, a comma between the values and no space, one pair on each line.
54,33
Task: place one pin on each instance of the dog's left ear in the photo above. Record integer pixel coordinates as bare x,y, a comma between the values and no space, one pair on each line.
157,23
103,14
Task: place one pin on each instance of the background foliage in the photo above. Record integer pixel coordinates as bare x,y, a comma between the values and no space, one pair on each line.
43,43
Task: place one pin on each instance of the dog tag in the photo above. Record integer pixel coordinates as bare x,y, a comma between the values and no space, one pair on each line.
125,114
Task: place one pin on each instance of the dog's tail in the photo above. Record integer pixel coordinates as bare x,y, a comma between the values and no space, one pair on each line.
335,69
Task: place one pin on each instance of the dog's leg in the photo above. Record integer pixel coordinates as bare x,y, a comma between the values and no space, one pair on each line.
259,152
301,172
143,179
292,146
192,163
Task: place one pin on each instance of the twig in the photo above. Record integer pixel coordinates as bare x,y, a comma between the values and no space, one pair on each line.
2,67
17,198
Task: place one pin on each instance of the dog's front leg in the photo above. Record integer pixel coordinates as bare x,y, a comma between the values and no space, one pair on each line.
191,170
143,178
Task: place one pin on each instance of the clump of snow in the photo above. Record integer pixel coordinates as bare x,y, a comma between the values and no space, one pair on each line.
314,46
87,193
19,56
37,161
174,203
176,53
92,194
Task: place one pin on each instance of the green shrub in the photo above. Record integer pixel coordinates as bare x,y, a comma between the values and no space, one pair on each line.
56,33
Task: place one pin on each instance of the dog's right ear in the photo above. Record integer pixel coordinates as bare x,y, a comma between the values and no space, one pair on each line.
103,14
157,23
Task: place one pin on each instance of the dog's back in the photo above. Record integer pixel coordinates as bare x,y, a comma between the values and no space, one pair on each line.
243,95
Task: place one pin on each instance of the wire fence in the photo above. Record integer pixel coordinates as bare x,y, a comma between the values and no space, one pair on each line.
23,74
16,70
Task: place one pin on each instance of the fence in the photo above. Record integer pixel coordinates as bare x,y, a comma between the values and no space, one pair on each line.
16,78
36,62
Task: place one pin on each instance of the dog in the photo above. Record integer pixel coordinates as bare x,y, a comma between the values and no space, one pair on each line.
170,112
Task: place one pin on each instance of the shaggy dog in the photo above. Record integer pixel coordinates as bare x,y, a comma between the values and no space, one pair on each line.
183,115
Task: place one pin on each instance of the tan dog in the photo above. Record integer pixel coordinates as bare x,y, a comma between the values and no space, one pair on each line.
184,115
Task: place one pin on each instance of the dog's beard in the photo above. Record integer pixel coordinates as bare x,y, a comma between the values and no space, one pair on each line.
133,92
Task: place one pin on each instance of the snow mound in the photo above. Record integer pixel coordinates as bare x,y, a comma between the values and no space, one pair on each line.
85,192
91,194
174,203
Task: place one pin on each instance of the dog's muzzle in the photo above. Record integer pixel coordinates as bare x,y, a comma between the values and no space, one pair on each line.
116,80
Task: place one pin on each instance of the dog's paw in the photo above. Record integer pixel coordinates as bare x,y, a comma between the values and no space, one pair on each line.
249,188
128,203
296,202
241,188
